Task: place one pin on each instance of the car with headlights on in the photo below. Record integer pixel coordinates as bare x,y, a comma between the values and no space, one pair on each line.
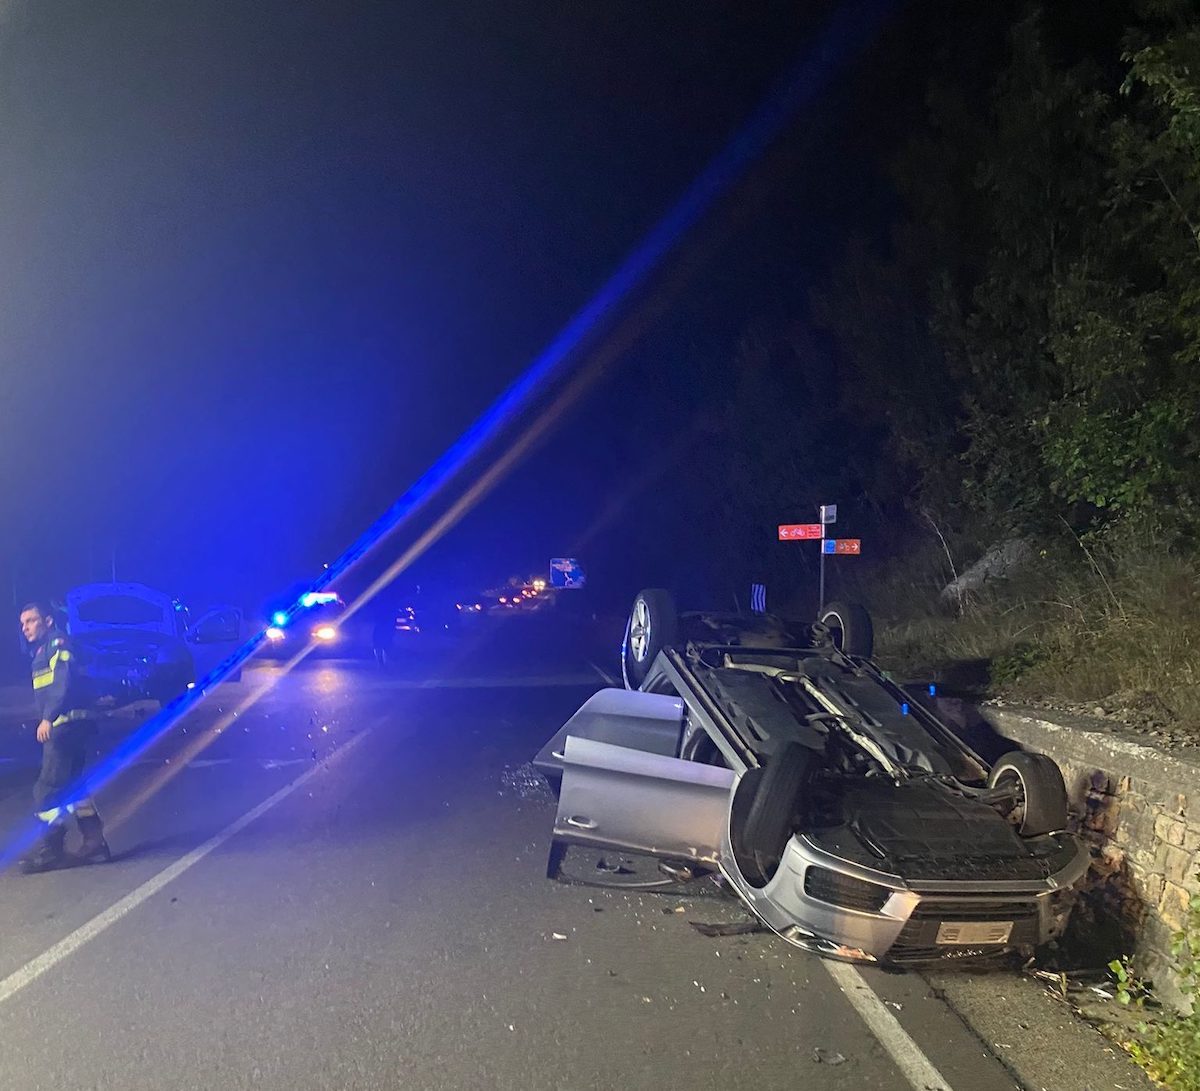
321,622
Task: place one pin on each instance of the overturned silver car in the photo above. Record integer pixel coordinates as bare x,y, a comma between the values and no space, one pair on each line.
846,816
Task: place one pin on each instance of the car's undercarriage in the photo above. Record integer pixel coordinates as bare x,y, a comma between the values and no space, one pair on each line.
832,800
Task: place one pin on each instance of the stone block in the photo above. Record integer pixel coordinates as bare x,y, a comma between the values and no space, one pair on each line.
1111,822
1147,861
1177,865
1191,839
1152,889
1173,906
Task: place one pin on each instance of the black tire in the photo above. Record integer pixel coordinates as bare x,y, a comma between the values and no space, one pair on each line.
777,805
653,625
850,626
1040,793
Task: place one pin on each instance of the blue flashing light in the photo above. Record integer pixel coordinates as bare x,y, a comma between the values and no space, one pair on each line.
279,618
317,598
904,708
932,690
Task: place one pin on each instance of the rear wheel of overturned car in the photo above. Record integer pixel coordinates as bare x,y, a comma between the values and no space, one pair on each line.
850,628
1038,802
777,807
653,625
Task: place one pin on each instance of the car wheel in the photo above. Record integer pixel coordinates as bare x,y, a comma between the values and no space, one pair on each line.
777,804
1039,794
850,627
653,625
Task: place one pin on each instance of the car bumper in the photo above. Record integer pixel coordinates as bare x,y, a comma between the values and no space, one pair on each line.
914,923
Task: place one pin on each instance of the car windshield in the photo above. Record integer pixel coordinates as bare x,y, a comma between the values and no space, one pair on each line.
120,610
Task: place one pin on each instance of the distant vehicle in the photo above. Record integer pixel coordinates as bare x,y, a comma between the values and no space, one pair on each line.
135,643
320,620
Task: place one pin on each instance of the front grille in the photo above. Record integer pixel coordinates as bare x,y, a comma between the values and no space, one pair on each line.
934,866
844,891
918,937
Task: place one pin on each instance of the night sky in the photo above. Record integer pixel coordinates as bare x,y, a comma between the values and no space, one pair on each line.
261,263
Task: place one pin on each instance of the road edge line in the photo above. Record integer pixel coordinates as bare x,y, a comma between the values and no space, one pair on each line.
907,1055
89,930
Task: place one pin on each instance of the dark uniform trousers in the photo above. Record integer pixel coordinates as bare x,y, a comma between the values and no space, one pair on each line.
64,755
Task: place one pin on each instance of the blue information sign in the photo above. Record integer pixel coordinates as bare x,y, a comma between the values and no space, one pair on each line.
566,572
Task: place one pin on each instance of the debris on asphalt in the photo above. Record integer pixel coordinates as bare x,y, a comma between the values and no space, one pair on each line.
681,873
676,909
557,935
525,782
827,1056
728,928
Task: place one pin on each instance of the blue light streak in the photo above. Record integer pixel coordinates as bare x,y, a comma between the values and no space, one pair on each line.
848,32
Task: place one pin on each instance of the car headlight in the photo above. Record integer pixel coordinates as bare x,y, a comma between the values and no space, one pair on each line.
325,632
275,633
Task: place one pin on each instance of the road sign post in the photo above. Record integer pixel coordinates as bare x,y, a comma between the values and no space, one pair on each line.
799,532
828,514
821,581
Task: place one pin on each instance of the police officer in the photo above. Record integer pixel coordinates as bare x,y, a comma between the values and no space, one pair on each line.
65,732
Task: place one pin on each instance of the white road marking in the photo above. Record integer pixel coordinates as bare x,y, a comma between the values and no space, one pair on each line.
912,1062
71,943
515,681
604,674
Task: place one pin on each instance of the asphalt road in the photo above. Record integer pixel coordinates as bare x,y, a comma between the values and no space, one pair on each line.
343,887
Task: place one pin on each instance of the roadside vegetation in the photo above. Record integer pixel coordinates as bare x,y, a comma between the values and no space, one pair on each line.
1021,346
1102,622
1017,357
1164,1044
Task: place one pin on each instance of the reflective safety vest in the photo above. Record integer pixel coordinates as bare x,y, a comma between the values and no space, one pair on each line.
58,686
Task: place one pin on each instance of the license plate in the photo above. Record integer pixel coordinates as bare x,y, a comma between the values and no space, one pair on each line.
953,932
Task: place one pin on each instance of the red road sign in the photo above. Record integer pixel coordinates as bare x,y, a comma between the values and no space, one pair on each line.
790,532
847,545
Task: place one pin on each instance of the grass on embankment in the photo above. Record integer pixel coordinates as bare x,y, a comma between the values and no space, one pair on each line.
1114,626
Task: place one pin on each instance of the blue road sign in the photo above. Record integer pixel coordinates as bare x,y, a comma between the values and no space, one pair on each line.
566,572
758,598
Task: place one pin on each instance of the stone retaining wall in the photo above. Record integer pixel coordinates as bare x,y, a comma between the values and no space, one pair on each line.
1140,808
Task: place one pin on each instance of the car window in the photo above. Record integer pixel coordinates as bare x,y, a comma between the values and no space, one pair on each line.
119,610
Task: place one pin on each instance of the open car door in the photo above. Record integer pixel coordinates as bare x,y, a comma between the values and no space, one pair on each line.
613,797
214,636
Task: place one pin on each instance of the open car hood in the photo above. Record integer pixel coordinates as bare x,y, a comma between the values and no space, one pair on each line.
111,607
